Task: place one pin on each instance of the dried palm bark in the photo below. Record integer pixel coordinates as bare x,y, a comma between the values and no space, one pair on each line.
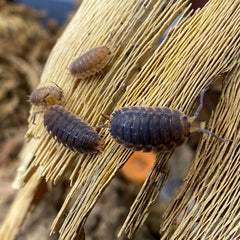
206,206
25,198
172,74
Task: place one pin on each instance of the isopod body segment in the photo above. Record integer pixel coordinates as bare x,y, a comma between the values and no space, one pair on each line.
71,131
91,62
149,128
47,96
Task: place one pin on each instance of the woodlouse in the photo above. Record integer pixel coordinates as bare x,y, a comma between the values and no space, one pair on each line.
153,128
71,131
91,62
47,96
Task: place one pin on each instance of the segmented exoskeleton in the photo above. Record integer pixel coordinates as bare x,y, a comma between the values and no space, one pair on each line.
71,131
153,128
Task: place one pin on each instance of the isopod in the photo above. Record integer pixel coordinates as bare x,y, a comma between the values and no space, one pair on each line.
47,96
71,131
156,129
92,61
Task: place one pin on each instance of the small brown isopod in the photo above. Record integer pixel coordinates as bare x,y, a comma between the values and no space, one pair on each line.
47,96
153,128
92,61
71,131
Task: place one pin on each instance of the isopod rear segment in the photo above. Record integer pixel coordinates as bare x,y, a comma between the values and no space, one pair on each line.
153,128
71,131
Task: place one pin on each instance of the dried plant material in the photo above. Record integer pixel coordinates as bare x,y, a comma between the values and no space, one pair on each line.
37,225
189,82
206,206
155,181
187,76
20,208
110,210
94,93
171,74
26,156
25,44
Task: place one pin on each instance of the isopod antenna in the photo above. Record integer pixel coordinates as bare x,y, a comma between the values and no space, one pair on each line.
105,125
198,129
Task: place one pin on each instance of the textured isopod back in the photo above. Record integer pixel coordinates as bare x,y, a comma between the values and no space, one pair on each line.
154,128
91,62
149,128
71,131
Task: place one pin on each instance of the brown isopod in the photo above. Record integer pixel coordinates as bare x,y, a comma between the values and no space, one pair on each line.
92,61
71,131
153,128
46,96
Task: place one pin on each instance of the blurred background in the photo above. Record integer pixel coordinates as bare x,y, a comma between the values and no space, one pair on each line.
54,9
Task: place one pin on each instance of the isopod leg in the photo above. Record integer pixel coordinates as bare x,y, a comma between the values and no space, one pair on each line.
34,116
106,116
107,125
191,119
143,103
